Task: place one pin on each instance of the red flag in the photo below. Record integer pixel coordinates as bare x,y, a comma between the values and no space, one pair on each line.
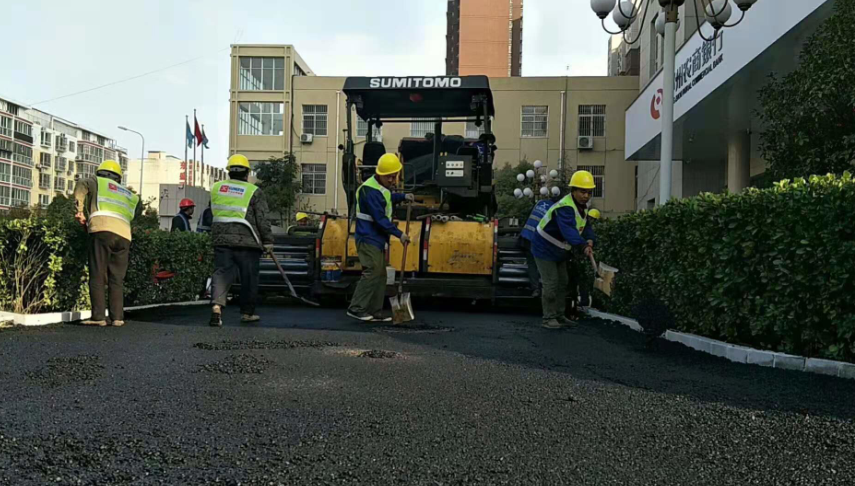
198,132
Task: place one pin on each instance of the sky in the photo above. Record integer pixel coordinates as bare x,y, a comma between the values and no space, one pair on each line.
63,47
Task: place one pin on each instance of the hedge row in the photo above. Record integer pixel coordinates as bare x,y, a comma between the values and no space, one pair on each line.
772,268
43,264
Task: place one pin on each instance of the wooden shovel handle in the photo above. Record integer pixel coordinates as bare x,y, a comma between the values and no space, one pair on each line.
593,264
404,258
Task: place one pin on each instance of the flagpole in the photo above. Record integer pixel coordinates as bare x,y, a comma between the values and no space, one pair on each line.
186,125
202,182
195,142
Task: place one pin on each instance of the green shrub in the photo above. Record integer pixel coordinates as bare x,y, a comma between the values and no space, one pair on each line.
769,268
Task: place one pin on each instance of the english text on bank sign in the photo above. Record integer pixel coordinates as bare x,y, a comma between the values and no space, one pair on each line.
438,82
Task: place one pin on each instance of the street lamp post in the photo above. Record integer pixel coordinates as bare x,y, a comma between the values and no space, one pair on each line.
142,155
625,12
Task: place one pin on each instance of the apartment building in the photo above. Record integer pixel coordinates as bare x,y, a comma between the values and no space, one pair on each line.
42,155
484,37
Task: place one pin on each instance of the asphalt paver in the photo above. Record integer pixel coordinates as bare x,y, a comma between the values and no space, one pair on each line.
461,396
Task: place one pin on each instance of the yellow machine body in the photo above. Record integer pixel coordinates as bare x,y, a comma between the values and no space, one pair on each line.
460,247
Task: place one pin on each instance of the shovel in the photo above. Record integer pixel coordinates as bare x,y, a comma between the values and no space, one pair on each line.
290,287
605,276
402,306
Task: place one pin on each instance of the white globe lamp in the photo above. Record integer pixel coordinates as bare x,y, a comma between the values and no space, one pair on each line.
528,192
602,7
538,164
518,193
520,177
530,174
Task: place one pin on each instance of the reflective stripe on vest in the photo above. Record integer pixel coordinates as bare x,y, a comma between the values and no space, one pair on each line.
114,201
230,203
372,183
581,222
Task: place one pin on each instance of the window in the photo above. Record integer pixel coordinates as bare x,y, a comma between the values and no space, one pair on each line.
5,126
22,176
592,120
25,128
262,73
20,197
362,130
5,173
6,148
315,120
101,140
535,121
69,185
87,137
473,131
90,153
260,119
314,179
59,184
44,200
71,147
599,173
85,169
61,164
23,155
5,192
44,159
44,181
61,144
46,138
420,129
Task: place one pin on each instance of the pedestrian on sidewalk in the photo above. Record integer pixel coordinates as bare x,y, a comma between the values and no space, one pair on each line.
240,231
563,228
110,207
181,221
374,202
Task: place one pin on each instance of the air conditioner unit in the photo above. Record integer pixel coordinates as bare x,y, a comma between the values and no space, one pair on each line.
39,166
585,143
306,138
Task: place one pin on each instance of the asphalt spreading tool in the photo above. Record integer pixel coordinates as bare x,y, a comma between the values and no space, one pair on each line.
402,306
605,276
288,281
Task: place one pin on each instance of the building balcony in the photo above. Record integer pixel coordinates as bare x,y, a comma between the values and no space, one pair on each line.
23,159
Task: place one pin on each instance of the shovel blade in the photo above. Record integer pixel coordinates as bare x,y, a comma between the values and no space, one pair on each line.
402,308
603,287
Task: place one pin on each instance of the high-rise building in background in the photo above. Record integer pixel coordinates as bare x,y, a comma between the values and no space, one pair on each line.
484,37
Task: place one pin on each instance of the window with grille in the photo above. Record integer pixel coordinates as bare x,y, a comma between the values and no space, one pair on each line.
71,147
5,127
592,120
61,164
20,197
69,185
260,119
421,128
59,184
85,169
44,181
24,128
44,200
46,139
44,159
599,173
315,120
473,131
314,179
5,173
5,192
362,130
535,121
22,176
262,73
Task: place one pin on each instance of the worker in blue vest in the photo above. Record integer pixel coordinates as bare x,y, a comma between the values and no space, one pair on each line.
527,234
181,221
561,230
374,202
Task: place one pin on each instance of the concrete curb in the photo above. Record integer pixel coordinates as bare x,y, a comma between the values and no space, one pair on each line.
742,354
73,316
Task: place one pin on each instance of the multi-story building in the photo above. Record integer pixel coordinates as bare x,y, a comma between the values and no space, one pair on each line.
716,130
625,53
41,155
484,37
565,122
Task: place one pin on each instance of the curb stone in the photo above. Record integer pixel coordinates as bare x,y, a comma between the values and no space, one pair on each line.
743,354
74,316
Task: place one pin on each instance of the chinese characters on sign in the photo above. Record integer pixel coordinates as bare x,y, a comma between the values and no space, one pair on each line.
698,65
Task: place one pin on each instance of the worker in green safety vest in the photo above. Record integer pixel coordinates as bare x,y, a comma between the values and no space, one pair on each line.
239,233
106,208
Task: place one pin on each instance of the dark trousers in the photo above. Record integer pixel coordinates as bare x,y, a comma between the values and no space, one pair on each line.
232,262
108,264
533,273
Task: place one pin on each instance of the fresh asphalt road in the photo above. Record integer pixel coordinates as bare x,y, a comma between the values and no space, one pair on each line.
465,397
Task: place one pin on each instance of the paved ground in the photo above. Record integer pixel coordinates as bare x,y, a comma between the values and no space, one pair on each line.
467,398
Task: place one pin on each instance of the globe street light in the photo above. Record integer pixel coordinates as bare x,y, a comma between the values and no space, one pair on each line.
625,12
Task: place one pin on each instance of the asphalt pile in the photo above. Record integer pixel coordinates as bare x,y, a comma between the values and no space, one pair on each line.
65,370
379,354
238,364
244,345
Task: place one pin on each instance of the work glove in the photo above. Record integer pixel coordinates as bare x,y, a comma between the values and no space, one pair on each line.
268,248
410,197
405,239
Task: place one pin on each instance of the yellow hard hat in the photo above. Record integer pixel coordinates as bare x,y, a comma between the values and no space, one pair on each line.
300,216
594,213
238,160
111,166
389,164
583,180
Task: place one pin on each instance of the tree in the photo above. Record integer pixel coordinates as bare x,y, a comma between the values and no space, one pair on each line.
278,179
809,115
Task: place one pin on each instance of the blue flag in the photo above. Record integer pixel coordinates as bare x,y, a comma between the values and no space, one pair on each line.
189,136
204,138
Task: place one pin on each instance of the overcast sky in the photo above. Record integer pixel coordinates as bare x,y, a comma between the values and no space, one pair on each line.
58,47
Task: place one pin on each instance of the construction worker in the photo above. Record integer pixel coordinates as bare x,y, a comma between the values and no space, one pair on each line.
205,222
302,219
240,231
181,221
374,203
110,207
562,228
527,235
